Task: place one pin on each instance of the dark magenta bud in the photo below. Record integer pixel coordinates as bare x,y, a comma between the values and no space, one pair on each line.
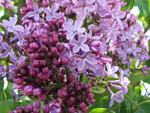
34,45
37,92
64,61
28,90
45,109
36,104
72,110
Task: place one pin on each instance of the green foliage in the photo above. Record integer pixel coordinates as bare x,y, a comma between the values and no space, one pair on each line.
101,110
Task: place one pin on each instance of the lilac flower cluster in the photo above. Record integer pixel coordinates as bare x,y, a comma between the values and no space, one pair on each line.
59,41
77,96
39,71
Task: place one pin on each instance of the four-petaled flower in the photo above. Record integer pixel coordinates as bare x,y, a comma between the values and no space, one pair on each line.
51,13
11,26
35,13
73,28
86,61
134,49
116,97
111,71
83,7
80,44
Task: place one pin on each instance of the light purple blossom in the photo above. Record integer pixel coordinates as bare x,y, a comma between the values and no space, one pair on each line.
118,15
83,7
51,13
116,97
80,44
102,3
86,61
73,28
54,107
111,71
35,14
134,49
3,71
5,50
6,3
11,26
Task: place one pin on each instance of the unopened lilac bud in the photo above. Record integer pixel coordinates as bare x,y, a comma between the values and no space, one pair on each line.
45,3
64,61
36,63
90,95
37,92
42,62
72,110
18,80
45,109
28,90
34,45
71,100
62,93
43,48
43,97
29,107
82,105
54,50
36,104
45,70
85,109
60,47
32,72
22,64
92,100
60,22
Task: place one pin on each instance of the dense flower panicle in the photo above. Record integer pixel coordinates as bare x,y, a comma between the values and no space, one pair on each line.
43,61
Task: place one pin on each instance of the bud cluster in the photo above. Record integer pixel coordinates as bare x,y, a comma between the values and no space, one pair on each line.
77,96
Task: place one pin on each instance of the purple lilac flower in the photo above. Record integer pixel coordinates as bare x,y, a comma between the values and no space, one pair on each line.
35,14
83,7
111,71
80,44
118,15
6,3
134,49
73,28
117,97
3,71
11,26
86,61
51,13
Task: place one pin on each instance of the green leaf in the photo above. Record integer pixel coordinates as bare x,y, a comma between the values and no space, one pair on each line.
101,110
1,90
7,105
143,108
98,90
129,4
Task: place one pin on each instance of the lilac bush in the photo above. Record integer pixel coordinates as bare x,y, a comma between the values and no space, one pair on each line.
59,43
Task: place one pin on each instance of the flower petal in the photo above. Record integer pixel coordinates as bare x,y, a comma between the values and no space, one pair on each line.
76,49
85,47
81,65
